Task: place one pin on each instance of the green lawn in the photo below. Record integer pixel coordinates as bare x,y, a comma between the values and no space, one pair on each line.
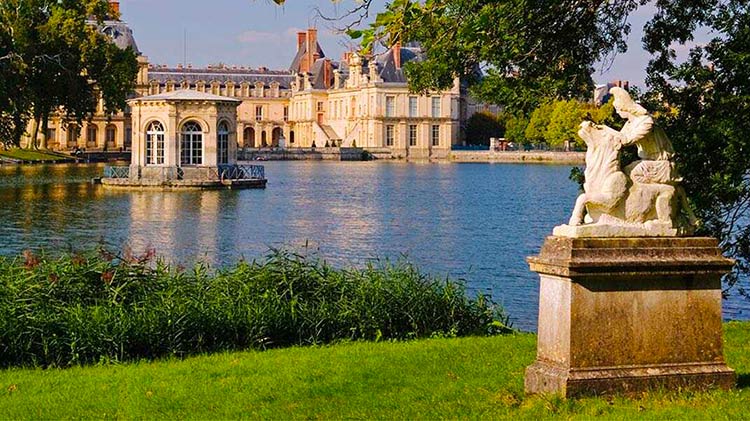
428,379
31,155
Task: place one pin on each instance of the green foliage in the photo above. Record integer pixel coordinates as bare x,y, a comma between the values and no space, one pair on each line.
80,309
704,103
481,127
515,128
456,378
564,120
538,122
52,58
529,50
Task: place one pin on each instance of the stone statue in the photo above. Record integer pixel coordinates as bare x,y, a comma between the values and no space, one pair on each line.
643,199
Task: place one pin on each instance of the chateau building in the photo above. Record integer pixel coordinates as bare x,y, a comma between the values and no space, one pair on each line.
357,101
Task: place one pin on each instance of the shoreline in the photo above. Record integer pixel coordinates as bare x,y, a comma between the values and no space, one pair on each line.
519,157
359,154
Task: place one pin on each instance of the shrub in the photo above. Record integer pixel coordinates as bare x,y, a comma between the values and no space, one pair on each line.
481,126
80,309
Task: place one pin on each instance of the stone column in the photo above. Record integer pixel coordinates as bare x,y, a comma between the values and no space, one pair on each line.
623,315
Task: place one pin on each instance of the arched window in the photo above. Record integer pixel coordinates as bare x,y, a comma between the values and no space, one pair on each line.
72,141
291,136
155,144
91,135
223,143
275,136
249,137
191,151
110,134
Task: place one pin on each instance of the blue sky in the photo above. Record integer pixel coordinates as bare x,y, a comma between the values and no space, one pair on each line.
258,33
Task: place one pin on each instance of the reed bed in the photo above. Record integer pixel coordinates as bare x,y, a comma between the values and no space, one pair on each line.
101,307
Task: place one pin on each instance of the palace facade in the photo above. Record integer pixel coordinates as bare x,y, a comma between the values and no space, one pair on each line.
354,102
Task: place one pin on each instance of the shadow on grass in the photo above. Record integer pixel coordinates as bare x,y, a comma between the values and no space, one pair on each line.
743,380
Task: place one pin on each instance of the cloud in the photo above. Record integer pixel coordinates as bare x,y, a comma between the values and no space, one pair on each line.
265,37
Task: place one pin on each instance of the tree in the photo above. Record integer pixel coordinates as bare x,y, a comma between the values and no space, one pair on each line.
532,50
538,122
704,103
515,128
62,63
481,127
527,50
564,120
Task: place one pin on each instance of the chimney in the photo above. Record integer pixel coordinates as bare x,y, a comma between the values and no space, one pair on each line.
312,47
397,54
347,55
301,39
114,8
327,70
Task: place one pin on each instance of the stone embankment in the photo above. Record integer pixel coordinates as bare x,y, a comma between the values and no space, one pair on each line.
301,154
359,154
525,157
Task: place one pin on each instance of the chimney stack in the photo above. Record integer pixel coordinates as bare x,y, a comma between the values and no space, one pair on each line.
301,39
114,8
397,54
312,47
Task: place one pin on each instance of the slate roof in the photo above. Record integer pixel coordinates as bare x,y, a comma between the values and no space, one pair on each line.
294,67
186,95
223,75
119,32
387,65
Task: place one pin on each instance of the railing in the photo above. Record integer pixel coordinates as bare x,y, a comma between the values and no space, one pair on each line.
240,172
221,172
116,171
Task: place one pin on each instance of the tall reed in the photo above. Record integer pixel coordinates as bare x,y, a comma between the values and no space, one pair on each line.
98,307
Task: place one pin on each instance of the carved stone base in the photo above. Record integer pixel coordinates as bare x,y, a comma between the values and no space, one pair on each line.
621,230
622,315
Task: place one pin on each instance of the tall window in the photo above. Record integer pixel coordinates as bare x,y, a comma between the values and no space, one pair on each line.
436,106
91,133
191,152
412,135
412,106
223,143
389,135
435,135
390,106
258,112
110,133
319,106
155,144
286,113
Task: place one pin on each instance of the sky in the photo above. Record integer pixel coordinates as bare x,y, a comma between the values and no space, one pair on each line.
256,33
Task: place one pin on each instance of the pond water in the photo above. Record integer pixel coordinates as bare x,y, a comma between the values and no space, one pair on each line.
476,222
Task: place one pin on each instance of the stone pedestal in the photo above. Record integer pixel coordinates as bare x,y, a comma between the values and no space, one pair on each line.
623,315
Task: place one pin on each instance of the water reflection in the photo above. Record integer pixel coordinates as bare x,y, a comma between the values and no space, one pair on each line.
472,221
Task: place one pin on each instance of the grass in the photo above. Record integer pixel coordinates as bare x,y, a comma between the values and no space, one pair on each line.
31,155
476,377
85,308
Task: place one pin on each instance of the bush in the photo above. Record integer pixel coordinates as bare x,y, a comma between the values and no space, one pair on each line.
481,126
80,309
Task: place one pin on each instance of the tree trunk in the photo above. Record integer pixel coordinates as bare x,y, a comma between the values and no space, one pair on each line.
45,130
35,133
18,128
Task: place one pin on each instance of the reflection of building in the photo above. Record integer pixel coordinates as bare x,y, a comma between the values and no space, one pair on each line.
358,101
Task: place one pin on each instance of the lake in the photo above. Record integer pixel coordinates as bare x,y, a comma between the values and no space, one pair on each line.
476,222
